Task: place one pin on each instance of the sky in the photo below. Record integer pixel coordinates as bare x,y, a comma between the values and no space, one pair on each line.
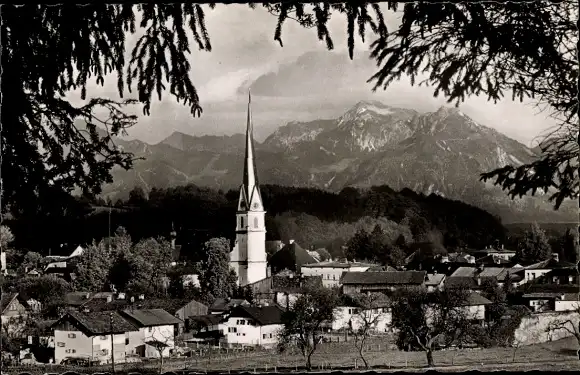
244,50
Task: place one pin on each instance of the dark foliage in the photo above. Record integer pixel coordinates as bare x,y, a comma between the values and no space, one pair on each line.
199,214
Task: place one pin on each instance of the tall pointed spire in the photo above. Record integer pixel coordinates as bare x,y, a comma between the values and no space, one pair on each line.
249,194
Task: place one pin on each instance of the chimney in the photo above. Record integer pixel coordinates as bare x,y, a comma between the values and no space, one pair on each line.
555,257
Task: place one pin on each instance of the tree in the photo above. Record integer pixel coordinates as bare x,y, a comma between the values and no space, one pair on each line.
90,41
45,289
93,267
137,196
31,261
216,279
162,342
304,319
534,246
6,237
359,245
570,325
570,246
362,323
428,321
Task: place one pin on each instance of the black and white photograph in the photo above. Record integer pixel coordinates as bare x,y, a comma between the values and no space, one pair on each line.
289,187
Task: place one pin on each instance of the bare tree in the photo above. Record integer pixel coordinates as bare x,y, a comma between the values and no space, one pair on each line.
161,341
303,322
568,324
370,312
429,321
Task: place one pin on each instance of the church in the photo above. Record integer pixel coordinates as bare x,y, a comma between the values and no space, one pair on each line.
248,256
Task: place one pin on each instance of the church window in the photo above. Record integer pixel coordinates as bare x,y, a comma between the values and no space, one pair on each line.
241,222
255,222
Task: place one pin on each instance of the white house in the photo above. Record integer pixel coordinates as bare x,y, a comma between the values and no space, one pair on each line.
569,302
379,318
539,269
331,272
253,325
88,336
156,328
475,306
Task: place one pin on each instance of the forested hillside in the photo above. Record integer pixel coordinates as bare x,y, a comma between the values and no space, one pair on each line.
310,216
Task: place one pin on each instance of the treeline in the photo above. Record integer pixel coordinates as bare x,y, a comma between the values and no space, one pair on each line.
310,216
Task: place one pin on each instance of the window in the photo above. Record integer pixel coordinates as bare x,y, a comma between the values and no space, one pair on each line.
150,329
105,351
67,351
73,350
241,222
126,341
72,336
255,222
232,330
270,335
333,277
60,344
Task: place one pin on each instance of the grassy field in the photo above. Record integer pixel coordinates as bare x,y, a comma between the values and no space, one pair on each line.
557,355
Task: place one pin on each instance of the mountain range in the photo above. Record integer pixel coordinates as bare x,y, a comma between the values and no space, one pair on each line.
441,152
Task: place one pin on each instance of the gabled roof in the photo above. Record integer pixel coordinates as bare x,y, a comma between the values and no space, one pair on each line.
464,272
476,299
99,323
333,264
263,315
550,264
291,256
150,318
385,277
434,279
77,298
545,295
6,299
294,284
207,320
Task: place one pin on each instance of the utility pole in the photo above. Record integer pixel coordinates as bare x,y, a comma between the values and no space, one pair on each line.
110,208
112,342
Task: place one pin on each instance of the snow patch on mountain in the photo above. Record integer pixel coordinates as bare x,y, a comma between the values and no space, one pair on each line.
515,160
502,156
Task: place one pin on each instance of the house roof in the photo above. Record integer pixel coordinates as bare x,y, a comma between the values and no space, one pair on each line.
100,323
376,268
434,279
495,272
207,320
544,295
464,272
491,259
77,298
6,299
550,264
461,281
223,304
264,315
476,299
385,277
150,317
333,264
294,284
291,256
571,297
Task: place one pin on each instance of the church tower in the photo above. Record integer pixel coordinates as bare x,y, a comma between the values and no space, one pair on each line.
248,257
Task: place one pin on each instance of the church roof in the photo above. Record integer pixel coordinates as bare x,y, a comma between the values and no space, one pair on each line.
250,198
291,257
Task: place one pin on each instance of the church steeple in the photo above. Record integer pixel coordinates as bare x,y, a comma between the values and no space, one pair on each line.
250,198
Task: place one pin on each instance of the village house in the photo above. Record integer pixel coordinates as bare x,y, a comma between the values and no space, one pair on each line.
290,257
500,253
540,269
353,317
88,336
287,289
476,307
435,281
331,272
190,309
363,282
551,301
207,328
15,311
253,325
156,329
474,278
